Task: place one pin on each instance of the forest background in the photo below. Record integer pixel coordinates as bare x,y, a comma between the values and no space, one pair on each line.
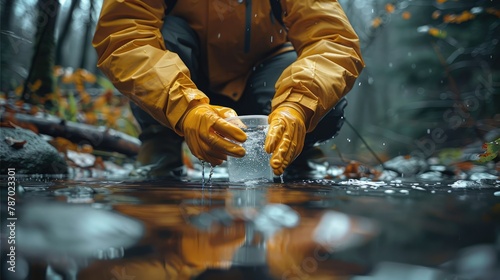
430,88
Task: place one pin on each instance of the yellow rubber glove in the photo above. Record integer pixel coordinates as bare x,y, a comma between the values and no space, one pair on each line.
286,134
209,136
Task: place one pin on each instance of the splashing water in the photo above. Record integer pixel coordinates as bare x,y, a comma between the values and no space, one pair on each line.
206,183
210,175
202,174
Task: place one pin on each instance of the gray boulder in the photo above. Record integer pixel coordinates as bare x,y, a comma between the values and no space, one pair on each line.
35,156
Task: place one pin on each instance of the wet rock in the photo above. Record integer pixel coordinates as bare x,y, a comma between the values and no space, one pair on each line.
406,166
35,156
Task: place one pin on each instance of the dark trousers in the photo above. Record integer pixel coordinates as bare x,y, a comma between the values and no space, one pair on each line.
258,93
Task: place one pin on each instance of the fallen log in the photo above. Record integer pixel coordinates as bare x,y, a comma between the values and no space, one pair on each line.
99,137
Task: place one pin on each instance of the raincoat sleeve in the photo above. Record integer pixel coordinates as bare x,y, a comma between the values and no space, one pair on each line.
329,57
132,54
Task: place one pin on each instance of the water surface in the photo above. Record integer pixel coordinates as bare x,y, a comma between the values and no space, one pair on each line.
311,229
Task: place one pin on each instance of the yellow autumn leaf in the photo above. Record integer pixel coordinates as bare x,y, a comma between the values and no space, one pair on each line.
90,118
390,8
36,85
87,76
376,22
85,97
437,32
19,90
463,17
67,78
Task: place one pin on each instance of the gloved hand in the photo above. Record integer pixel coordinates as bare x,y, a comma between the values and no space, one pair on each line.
208,135
286,134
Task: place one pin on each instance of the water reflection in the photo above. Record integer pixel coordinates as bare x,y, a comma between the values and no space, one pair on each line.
316,229
203,236
66,237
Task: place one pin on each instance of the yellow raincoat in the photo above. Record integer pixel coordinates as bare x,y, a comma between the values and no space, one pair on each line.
234,38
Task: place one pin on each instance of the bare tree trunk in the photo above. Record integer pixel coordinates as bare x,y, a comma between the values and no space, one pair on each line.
66,27
42,63
7,11
87,35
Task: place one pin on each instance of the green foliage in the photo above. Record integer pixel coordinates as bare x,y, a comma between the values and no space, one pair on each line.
72,110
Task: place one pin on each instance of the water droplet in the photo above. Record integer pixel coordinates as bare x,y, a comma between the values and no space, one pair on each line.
218,36
409,54
383,144
272,38
281,31
265,83
370,80
348,140
390,64
496,193
359,84
255,15
373,11
428,131
389,191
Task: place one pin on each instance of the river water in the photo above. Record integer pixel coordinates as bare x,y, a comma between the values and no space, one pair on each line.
309,229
